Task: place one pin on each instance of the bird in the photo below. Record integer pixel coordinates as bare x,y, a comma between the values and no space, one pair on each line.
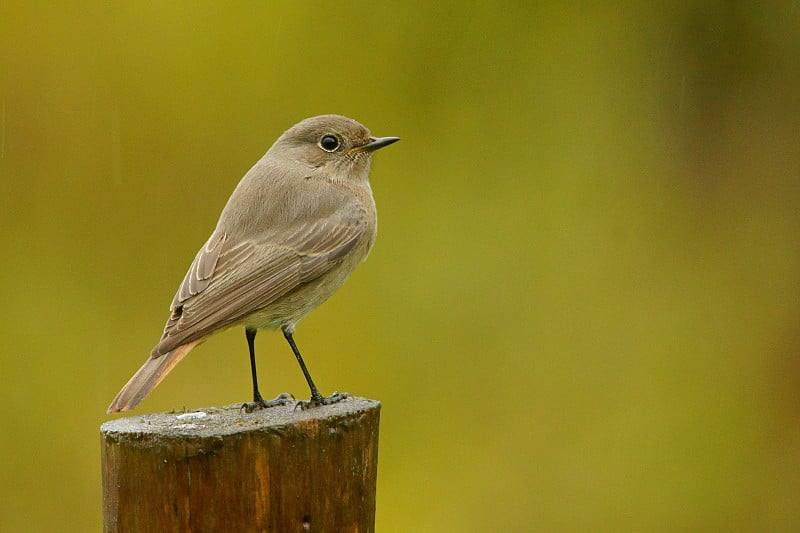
293,230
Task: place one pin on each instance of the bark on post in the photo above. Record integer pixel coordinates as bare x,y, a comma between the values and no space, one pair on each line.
220,469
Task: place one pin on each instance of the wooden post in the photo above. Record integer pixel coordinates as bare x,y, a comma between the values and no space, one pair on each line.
225,470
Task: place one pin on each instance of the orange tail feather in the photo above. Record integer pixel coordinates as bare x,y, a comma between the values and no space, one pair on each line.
147,377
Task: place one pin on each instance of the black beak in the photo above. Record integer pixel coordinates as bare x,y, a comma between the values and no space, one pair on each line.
378,142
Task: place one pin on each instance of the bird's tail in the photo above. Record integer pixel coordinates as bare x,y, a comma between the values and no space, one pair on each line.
147,377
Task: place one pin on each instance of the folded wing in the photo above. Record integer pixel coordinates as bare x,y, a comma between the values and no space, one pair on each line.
230,280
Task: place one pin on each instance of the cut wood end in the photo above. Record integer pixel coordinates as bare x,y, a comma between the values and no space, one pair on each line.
231,419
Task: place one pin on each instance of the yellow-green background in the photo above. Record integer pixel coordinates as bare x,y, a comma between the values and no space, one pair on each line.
583,308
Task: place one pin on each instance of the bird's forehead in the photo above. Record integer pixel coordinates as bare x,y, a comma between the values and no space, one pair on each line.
311,128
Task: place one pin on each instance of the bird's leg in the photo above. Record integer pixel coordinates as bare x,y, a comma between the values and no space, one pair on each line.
251,344
316,397
258,401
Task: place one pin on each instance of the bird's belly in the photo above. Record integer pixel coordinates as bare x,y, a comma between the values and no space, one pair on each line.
290,308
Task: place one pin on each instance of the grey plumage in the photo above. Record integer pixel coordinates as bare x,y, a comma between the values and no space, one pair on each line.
291,233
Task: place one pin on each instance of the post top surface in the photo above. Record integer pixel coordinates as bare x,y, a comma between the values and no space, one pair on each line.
231,419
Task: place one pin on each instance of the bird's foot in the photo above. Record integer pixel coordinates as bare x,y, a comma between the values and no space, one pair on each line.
283,398
336,397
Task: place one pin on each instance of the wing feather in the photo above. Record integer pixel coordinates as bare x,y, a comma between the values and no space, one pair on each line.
201,270
229,281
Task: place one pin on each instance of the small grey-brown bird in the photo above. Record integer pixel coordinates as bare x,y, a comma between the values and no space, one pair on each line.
291,233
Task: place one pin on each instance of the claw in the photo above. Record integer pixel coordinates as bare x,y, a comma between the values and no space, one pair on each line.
283,398
336,397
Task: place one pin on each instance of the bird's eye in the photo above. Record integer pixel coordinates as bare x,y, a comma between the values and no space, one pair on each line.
329,143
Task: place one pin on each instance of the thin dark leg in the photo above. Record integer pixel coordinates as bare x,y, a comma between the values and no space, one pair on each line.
316,397
251,339
258,400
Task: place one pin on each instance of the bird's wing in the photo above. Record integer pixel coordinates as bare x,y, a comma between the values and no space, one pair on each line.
230,280
203,267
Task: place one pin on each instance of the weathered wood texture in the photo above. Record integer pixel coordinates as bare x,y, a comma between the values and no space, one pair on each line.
216,469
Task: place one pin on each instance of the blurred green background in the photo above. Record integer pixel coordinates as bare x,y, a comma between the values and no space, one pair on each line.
582,311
